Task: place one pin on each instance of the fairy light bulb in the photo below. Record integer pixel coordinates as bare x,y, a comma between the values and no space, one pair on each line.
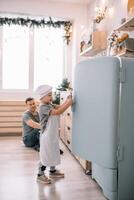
111,11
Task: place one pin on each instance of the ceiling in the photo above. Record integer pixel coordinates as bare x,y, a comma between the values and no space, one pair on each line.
72,1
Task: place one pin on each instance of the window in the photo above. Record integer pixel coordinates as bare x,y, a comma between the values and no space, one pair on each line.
48,56
15,57
46,67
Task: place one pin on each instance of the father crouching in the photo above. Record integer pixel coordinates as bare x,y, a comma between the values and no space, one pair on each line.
30,124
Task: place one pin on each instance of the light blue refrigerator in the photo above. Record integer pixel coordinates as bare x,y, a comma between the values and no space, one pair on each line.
103,122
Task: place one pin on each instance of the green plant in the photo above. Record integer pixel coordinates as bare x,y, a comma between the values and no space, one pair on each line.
64,86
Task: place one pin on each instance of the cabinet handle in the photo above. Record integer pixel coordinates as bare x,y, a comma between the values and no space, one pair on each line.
68,128
68,141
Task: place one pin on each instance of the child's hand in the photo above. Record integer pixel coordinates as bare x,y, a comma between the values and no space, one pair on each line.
69,96
69,99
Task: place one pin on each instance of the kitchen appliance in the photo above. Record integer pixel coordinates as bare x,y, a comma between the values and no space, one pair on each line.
103,122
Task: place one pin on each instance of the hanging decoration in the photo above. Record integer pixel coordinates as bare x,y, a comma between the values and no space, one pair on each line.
67,33
101,14
42,23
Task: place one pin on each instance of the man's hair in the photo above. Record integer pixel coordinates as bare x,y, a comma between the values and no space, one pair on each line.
29,99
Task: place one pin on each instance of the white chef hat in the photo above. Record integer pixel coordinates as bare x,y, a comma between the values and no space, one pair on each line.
43,90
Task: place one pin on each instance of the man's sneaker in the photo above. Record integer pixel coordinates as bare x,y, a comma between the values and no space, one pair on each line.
56,174
44,179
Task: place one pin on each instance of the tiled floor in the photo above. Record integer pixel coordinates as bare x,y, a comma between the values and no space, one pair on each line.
18,167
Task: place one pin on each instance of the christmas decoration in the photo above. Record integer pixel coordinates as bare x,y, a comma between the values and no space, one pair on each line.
64,86
116,42
101,13
38,23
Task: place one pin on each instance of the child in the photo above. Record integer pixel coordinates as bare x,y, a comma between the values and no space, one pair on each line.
49,140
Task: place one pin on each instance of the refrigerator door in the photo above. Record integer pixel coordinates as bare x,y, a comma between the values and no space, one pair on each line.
126,134
95,111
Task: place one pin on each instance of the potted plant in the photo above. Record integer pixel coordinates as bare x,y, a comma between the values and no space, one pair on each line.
64,86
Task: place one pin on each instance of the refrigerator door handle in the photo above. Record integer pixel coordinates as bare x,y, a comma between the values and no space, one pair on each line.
122,75
120,152
122,72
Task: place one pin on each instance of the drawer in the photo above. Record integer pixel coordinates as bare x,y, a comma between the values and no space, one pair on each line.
68,121
68,114
68,128
68,137
63,96
68,143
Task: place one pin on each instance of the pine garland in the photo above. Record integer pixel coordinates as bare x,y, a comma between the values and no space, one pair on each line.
33,22
42,23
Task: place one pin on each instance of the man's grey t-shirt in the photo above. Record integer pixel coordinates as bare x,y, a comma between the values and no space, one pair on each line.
26,116
44,113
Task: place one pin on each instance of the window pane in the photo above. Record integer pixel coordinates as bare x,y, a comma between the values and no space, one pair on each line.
15,57
48,55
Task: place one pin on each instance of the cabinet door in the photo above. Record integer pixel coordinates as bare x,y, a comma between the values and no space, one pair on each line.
126,134
95,111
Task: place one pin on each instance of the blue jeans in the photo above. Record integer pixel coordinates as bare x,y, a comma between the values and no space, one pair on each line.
32,139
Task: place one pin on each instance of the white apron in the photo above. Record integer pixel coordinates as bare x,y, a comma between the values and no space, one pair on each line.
49,143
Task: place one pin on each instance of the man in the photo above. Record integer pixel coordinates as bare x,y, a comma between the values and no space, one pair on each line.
30,124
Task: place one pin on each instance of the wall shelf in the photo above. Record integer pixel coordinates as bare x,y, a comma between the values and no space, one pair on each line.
125,53
90,51
128,51
127,26
99,43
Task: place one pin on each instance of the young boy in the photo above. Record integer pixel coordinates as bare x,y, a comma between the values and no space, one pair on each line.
49,139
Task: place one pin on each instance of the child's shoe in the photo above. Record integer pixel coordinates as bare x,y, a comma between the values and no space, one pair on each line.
44,179
56,174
